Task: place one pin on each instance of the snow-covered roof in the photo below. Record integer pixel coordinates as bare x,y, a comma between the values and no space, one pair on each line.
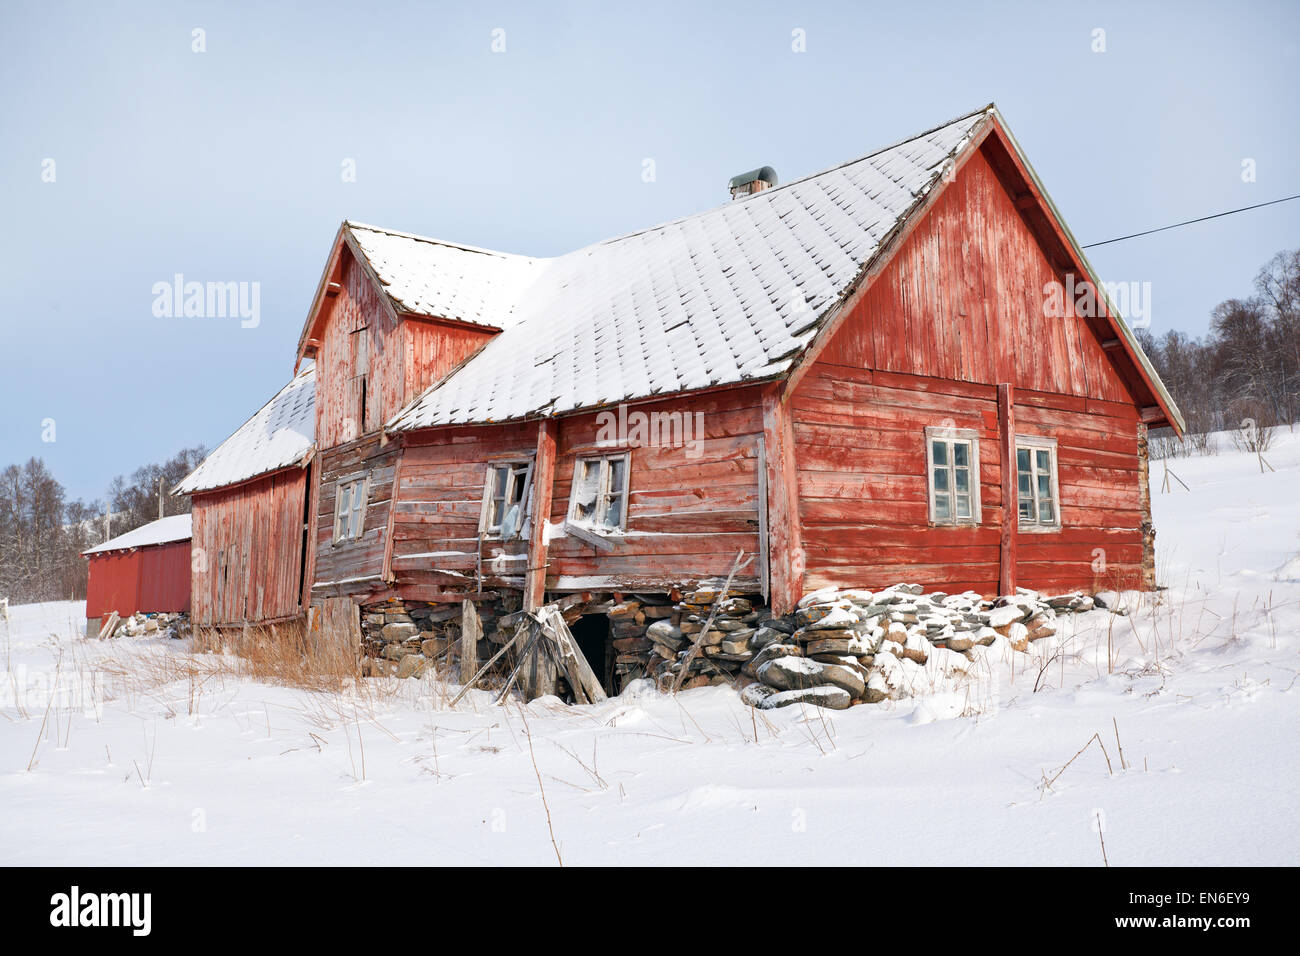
445,280
730,295
162,531
280,435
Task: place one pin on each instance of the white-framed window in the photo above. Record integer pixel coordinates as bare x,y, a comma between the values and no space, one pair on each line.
599,497
952,459
505,498
351,495
1036,484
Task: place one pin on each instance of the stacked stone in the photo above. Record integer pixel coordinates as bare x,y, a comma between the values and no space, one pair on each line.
406,640
847,647
630,621
726,649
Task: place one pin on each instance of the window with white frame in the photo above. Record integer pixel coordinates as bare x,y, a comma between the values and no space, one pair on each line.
505,499
350,497
953,468
1036,484
599,498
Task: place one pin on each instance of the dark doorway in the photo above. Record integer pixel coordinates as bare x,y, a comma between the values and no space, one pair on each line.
591,631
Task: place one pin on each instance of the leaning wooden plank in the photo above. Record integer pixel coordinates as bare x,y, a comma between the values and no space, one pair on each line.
704,632
552,647
495,657
109,624
587,536
471,629
527,658
574,659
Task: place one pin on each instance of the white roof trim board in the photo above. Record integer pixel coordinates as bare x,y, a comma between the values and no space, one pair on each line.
282,434
162,531
723,297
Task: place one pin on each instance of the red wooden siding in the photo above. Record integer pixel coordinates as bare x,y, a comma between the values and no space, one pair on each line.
963,300
690,509
248,544
958,311
151,579
439,500
400,357
363,558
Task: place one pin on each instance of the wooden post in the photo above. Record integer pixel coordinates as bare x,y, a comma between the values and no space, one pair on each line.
543,483
784,535
471,629
1010,496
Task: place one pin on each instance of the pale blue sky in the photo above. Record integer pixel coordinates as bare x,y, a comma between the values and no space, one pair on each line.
226,165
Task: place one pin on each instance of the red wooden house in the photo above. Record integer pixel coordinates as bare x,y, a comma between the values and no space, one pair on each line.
146,570
861,377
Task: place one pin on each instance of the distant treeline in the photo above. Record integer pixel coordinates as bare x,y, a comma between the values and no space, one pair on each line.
42,534
1247,369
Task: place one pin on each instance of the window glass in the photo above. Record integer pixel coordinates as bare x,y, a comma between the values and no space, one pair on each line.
952,486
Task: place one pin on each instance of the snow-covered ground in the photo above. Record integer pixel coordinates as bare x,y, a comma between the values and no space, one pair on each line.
1201,689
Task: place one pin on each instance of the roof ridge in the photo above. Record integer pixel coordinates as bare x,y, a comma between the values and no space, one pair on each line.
768,193
354,224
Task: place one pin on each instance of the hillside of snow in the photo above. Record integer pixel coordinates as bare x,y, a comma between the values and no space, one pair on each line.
146,754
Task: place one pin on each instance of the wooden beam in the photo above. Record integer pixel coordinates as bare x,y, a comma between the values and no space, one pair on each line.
597,540
543,484
1111,343
784,533
434,595
1010,502
471,629
393,498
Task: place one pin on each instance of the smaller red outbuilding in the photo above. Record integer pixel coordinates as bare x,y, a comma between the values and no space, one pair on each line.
145,570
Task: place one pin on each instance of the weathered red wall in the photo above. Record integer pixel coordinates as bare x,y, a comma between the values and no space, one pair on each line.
405,357
690,509
153,580
958,310
248,548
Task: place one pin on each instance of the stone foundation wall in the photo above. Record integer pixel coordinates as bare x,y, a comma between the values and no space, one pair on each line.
404,638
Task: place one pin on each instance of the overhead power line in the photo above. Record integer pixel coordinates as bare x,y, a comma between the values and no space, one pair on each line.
1217,215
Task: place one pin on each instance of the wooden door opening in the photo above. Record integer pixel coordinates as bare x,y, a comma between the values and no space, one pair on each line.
591,631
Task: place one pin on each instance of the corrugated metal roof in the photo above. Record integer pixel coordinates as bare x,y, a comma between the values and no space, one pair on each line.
162,531
281,434
726,296
445,280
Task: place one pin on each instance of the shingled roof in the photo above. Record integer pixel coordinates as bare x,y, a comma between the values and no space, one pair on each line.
162,531
280,435
730,295
444,280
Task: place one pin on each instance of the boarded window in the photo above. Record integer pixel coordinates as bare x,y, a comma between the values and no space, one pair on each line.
355,425
1036,483
350,501
505,499
953,474
599,498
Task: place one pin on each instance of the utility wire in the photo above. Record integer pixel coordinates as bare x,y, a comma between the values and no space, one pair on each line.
1217,215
